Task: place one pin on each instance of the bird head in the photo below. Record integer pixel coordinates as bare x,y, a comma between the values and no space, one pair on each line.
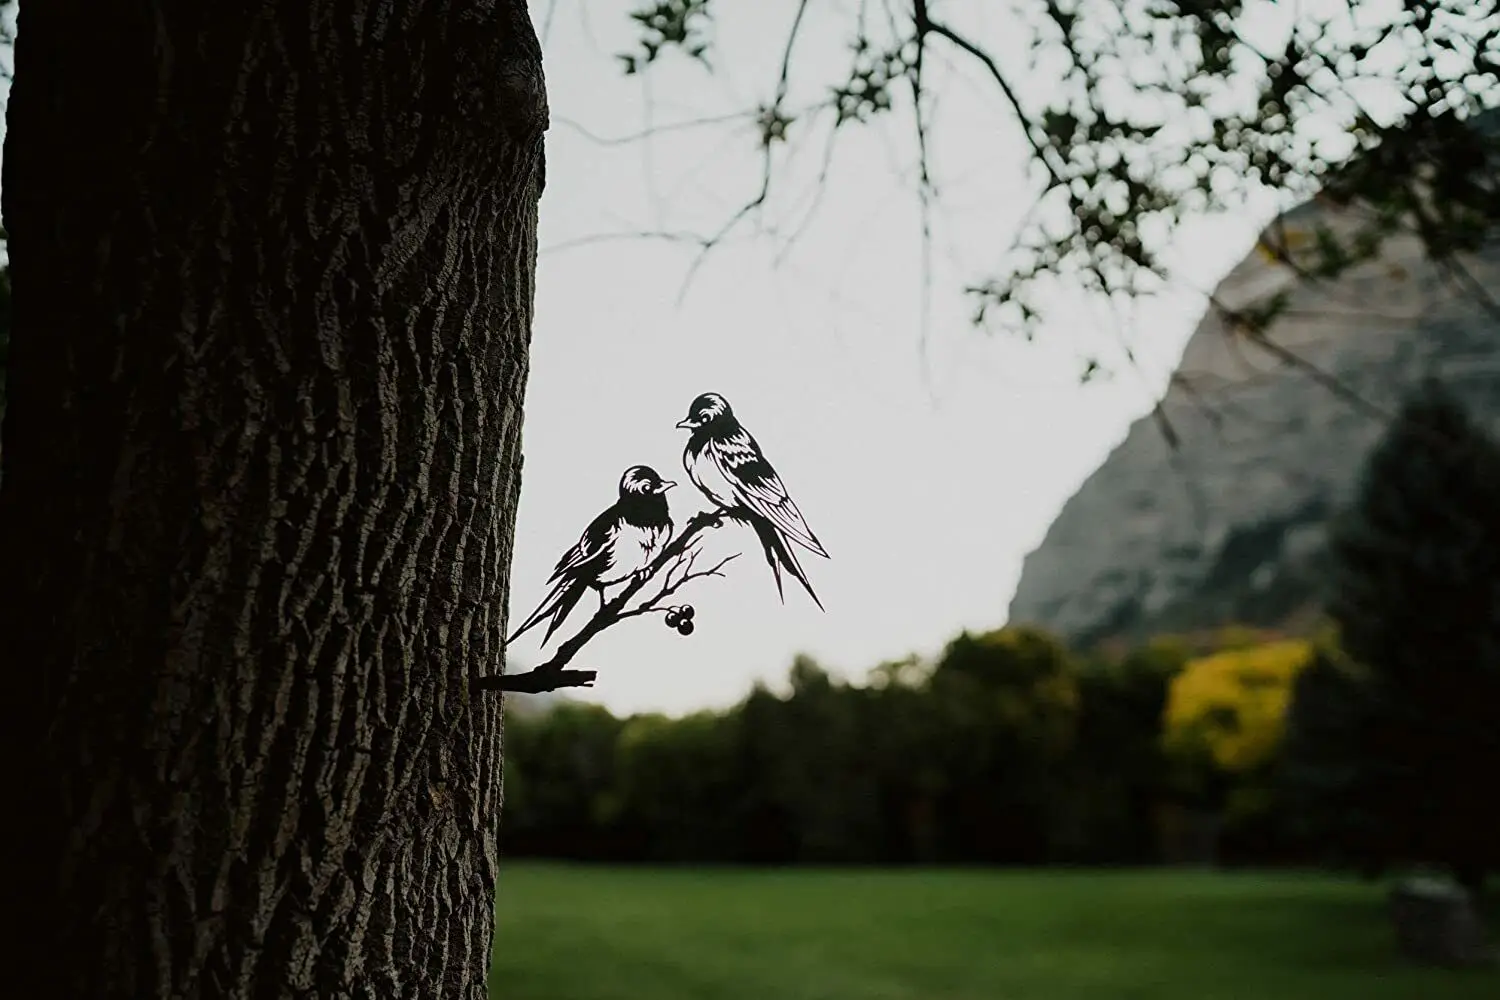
705,410
642,480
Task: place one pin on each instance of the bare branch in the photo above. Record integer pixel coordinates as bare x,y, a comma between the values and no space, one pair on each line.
925,25
661,235
1254,332
773,131
655,130
1465,280
547,17
925,188
820,188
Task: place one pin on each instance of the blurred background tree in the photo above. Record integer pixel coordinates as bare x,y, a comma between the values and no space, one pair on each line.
1009,702
1006,748
555,805
4,328
1406,735
1119,770
1334,786
1222,730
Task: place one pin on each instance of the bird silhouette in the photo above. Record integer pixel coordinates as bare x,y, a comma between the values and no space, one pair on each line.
617,544
726,464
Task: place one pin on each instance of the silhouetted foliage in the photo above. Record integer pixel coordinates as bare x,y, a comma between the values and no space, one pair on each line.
1140,114
571,770
1333,778
1397,751
1119,769
4,308
1010,704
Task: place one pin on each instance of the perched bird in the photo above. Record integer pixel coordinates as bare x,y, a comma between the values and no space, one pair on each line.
617,544
723,461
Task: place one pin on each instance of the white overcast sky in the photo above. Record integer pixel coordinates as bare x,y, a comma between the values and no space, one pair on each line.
928,466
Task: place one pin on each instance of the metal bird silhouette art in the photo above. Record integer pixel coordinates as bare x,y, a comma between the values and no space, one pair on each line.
724,461
633,544
618,544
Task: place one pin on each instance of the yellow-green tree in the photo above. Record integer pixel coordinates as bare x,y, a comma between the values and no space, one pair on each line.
1224,720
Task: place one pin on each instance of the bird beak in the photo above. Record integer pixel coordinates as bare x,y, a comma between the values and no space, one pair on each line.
667,484
686,423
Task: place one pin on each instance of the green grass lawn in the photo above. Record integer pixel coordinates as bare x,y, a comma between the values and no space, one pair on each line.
581,933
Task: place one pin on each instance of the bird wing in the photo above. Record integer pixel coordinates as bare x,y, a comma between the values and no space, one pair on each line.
760,489
579,568
590,555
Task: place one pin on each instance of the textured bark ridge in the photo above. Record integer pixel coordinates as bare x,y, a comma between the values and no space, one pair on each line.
273,267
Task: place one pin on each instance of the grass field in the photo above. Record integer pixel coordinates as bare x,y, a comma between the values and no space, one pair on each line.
580,933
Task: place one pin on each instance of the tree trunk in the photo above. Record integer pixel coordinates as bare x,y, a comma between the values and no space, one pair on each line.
273,270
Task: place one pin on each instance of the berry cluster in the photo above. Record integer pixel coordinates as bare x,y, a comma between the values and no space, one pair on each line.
681,618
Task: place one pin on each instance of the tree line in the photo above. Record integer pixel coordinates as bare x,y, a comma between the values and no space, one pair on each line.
1007,748
1371,743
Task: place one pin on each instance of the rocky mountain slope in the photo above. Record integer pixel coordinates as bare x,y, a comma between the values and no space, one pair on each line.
1231,527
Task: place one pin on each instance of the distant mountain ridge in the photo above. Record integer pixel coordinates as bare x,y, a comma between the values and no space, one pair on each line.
1232,527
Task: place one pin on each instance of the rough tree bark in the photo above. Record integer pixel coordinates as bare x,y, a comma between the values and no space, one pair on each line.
273,271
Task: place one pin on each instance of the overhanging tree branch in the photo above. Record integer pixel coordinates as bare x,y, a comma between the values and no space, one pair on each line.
1152,113
925,26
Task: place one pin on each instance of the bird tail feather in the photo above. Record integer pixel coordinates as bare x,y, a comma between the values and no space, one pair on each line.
565,605
559,601
780,556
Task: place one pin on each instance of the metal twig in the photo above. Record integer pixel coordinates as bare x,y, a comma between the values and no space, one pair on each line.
551,675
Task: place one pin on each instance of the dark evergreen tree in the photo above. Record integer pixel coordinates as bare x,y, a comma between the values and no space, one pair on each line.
1416,596
1335,788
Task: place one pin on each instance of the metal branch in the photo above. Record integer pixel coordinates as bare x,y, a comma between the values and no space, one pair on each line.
551,675
669,588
